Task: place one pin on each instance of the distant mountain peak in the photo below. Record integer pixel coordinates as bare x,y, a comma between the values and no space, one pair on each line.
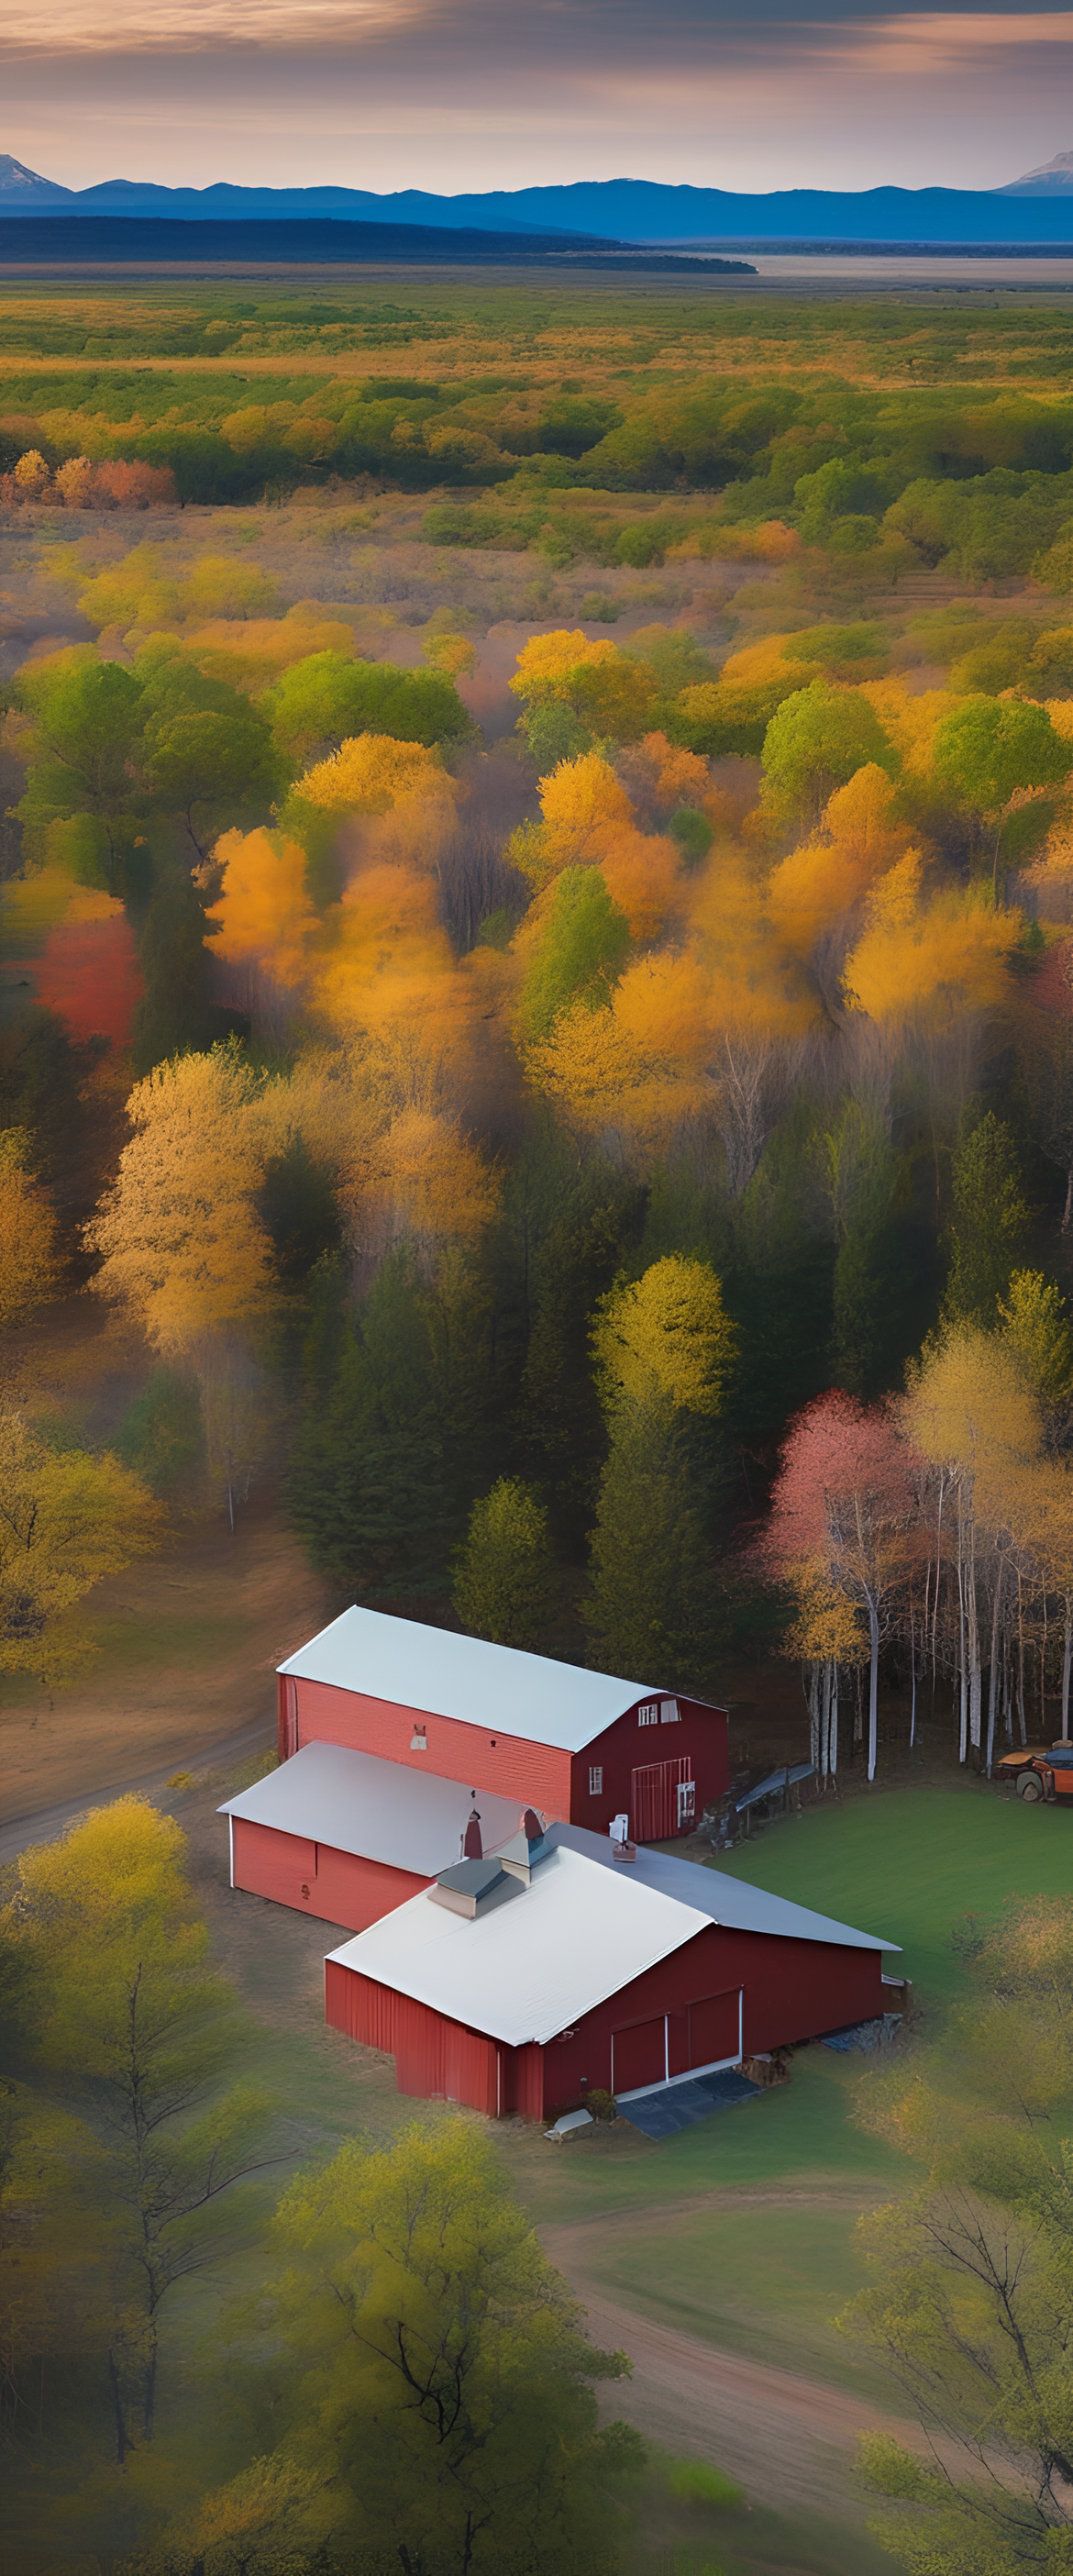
1051,179
17,181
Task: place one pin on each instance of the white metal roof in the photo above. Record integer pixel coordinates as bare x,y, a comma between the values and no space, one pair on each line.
466,1678
383,1811
720,1896
526,1970
584,1927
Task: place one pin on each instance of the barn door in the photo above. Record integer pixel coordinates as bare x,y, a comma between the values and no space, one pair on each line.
639,2056
657,1810
715,2029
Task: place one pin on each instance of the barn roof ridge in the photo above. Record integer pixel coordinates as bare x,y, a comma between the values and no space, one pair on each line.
447,1674
734,1902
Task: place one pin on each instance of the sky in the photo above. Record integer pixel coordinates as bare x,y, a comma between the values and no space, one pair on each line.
454,95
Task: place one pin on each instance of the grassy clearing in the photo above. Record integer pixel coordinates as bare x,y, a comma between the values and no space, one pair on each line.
910,1863
765,2282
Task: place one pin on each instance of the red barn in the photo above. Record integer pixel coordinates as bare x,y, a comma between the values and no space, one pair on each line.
521,1987
346,1837
582,1746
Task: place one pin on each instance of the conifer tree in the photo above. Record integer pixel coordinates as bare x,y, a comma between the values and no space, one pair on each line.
504,1584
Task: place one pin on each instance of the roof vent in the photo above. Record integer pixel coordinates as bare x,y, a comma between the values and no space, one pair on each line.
474,1887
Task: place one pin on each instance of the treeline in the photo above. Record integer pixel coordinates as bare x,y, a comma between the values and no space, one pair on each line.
979,479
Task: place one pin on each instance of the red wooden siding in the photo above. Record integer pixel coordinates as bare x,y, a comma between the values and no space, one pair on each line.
684,2012
282,1866
536,1774
337,1887
712,2028
654,1799
697,1743
433,2056
792,1990
638,2054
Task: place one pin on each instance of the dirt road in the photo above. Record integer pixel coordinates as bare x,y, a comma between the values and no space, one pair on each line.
788,2439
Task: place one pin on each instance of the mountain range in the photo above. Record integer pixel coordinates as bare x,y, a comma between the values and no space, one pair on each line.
626,210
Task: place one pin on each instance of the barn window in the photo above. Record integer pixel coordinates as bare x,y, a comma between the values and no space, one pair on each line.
596,1779
648,1715
669,1712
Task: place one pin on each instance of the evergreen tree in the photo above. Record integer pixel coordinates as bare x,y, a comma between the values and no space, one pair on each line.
505,1581
989,1222
651,1610
396,1427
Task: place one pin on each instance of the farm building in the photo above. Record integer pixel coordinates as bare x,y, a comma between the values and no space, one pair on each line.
523,1984
582,1746
345,1836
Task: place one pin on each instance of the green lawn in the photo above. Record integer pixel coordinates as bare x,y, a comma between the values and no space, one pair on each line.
909,1863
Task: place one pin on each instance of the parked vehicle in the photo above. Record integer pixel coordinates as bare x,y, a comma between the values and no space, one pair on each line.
1039,1772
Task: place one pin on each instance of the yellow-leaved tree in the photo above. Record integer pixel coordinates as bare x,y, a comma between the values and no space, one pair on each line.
183,1250
666,1337
664,1347
66,1520
29,1257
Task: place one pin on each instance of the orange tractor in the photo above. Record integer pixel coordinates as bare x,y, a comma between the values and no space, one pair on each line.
1038,1772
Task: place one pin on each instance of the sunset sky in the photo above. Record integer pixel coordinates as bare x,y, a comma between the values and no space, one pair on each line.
459,94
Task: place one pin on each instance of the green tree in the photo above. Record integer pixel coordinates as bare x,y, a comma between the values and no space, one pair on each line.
816,741
1036,1328
205,751
87,727
66,1519
160,1436
989,1220
858,1168
445,2383
368,1484
327,699
651,1610
990,748
968,2300
584,943
141,2049
505,1577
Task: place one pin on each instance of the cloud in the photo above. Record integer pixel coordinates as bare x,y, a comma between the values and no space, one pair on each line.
462,94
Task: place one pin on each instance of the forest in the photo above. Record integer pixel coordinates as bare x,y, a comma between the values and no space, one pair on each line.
537,1039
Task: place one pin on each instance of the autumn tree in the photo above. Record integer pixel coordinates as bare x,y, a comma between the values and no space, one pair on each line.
141,2048
967,2297
182,1247
843,1511
443,2376
972,1414
664,1349
29,1253
504,1584
666,1338
66,1520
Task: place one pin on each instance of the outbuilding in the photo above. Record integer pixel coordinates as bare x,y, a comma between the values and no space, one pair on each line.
345,1836
582,1746
524,1984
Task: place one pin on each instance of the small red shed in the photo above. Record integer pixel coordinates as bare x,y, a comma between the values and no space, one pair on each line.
581,1971
582,1746
344,1836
